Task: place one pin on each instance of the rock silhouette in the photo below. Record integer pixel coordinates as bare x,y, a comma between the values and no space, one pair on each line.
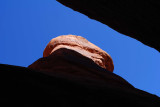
71,47
75,80
65,76
137,19
82,46
75,72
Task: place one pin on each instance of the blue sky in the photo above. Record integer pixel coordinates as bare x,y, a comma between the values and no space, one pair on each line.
26,26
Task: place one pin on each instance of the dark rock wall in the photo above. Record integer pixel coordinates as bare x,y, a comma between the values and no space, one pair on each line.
74,79
26,87
137,19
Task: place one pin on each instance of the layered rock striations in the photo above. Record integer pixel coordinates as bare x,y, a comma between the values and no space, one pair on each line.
82,46
137,19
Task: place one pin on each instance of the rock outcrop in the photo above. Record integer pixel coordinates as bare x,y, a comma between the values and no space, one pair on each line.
76,67
76,81
69,76
82,46
76,60
137,19
75,72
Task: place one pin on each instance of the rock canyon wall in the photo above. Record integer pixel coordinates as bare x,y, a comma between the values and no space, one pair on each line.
137,19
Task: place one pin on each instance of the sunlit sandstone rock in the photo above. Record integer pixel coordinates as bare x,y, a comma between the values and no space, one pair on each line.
69,74
82,46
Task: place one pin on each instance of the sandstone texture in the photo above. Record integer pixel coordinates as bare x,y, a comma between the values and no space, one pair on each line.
74,72
137,19
82,46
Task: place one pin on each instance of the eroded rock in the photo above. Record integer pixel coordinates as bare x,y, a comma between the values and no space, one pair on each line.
82,46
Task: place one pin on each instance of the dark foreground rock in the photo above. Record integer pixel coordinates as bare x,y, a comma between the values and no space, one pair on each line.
138,19
76,81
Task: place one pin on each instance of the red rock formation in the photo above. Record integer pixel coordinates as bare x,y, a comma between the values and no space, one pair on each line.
67,76
72,65
74,80
82,46
75,57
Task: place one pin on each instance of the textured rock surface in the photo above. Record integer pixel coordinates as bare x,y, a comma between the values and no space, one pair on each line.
137,19
76,81
83,46
71,64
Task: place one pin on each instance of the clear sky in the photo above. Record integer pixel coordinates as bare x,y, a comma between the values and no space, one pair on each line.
26,26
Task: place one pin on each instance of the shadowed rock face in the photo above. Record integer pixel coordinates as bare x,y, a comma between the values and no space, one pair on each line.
69,75
82,46
76,67
137,19
65,76
75,80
